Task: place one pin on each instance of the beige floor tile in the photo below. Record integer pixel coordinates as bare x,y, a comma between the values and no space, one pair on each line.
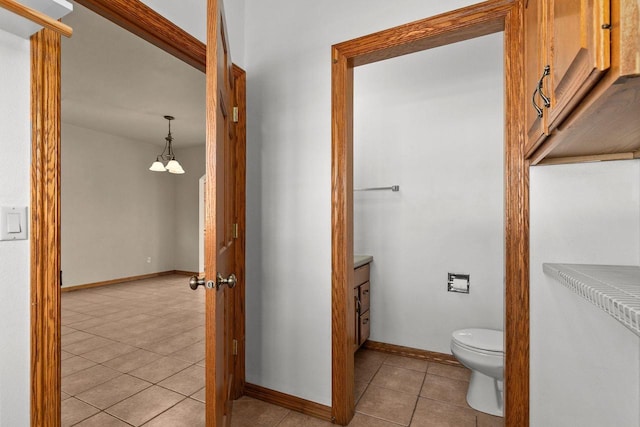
173,344
87,379
74,337
187,381
68,318
364,373
144,406
193,353
369,358
457,373
188,413
66,330
113,391
431,413
74,411
389,405
248,412
109,352
74,364
445,390
486,420
64,396
407,363
361,420
134,360
296,419
102,420
400,379
358,389
200,395
160,369
87,345
64,355
87,324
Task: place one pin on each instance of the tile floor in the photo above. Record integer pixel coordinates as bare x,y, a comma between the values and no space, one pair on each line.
133,354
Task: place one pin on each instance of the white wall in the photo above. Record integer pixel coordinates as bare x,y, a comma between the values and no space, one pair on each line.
288,59
439,135
15,134
190,15
186,199
585,366
116,213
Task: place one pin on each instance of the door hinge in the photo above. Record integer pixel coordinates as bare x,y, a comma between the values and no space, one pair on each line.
235,114
234,231
235,347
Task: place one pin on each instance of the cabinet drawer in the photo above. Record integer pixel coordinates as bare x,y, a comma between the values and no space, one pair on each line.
361,275
365,324
364,296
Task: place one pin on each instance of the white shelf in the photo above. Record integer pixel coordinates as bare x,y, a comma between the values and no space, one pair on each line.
22,27
613,288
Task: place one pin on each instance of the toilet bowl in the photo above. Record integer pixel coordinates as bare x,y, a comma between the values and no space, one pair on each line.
482,351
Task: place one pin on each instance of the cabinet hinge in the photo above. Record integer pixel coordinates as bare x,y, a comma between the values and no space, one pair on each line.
234,231
235,114
235,347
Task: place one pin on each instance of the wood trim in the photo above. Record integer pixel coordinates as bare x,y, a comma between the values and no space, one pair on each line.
37,17
414,353
342,274
139,19
447,28
240,85
288,401
183,272
116,281
462,24
516,184
587,159
45,229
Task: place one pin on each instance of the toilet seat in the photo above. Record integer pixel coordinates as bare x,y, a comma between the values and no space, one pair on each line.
481,340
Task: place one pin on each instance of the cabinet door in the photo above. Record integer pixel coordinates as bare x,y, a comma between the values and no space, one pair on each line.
579,52
365,327
356,318
535,49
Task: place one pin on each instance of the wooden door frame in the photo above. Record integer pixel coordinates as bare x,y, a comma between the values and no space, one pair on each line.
136,17
459,25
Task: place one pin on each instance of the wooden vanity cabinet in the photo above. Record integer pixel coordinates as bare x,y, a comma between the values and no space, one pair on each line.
567,49
361,295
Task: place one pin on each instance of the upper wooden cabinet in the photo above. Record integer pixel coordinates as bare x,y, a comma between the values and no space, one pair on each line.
567,50
581,74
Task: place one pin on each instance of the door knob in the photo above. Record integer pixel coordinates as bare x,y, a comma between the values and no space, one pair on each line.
195,281
229,281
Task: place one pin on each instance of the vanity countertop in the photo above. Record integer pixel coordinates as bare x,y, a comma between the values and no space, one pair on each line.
360,260
613,288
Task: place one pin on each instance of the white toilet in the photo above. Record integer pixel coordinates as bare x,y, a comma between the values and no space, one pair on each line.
482,351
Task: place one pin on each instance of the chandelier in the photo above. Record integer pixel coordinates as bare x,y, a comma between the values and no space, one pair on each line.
167,155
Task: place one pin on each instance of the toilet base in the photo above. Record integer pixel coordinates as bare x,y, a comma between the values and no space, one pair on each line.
485,394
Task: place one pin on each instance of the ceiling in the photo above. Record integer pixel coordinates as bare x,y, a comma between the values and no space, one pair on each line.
117,83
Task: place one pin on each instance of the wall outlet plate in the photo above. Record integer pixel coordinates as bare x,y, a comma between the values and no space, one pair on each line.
13,223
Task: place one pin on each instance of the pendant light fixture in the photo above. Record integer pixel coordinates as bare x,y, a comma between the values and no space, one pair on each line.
167,155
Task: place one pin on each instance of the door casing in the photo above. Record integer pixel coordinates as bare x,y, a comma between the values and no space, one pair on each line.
451,27
133,16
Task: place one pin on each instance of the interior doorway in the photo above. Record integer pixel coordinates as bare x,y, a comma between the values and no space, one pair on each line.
45,189
459,25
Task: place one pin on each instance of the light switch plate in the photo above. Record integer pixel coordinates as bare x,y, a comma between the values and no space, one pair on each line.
13,223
